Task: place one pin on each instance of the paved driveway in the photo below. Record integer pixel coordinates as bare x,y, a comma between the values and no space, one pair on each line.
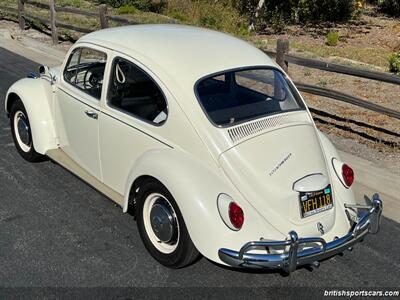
57,231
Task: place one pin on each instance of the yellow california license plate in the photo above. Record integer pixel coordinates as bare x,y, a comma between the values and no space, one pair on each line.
312,203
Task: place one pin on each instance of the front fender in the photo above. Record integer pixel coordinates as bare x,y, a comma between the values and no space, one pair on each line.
195,187
36,95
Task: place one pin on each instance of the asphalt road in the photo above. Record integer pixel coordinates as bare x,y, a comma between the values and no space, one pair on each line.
56,231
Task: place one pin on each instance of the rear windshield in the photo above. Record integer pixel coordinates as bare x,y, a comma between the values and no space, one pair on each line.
238,96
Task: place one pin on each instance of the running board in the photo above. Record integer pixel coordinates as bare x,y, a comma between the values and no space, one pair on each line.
68,163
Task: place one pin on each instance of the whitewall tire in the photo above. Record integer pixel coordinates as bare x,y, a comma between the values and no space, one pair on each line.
22,134
161,226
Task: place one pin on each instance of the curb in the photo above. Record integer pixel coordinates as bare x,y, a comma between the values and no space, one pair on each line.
370,179
31,49
367,174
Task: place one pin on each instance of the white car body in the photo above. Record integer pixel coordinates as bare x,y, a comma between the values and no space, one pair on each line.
256,163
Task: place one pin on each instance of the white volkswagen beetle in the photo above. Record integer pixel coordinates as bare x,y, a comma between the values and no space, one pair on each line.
204,137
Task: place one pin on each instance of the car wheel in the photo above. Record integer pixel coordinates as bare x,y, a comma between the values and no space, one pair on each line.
21,133
162,228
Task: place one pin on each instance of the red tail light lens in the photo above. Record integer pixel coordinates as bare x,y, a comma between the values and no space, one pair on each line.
236,215
348,175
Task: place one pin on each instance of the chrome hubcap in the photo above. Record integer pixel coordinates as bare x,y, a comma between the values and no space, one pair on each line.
23,130
163,222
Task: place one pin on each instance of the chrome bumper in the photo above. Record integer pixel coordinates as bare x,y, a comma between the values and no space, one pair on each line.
317,249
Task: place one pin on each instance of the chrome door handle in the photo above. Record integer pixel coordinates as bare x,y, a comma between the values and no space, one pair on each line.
91,114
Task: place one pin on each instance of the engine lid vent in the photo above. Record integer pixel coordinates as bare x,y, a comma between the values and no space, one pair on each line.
240,132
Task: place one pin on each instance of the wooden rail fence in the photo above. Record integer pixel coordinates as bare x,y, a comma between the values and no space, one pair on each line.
283,58
54,24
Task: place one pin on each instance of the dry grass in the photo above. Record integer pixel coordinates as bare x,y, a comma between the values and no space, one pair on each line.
212,15
83,21
369,40
208,14
371,57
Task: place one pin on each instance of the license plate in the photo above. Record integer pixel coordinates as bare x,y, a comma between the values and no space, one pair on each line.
312,203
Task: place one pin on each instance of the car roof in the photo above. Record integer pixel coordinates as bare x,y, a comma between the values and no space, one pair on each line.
184,52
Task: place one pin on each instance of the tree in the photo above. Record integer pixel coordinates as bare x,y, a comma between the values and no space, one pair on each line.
254,17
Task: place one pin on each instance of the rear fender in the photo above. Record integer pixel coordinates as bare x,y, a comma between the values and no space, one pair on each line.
195,187
343,194
37,97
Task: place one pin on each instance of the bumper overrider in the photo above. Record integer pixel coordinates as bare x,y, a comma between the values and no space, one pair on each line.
305,251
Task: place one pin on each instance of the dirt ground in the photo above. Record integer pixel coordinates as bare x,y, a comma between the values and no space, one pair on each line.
12,29
367,41
364,43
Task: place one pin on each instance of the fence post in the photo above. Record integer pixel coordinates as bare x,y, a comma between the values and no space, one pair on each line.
282,48
103,16
53,25
21,14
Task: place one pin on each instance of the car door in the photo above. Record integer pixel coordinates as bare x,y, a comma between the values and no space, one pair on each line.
78,106
132,121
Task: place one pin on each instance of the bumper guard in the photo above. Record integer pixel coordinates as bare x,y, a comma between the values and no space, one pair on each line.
317,248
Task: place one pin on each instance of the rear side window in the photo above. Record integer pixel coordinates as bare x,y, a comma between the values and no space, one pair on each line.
85,70
134,92
238,96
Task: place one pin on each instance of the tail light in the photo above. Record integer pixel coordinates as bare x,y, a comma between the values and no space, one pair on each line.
231,213
236,215
348,175
343,172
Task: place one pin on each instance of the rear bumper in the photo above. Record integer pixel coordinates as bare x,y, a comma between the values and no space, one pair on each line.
316,248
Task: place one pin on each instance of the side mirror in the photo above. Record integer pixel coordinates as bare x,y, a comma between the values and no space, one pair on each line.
43,70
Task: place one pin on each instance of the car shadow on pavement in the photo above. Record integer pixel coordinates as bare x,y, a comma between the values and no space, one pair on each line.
259,270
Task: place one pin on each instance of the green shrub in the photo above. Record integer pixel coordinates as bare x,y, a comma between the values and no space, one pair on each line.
177,15
278,12
219,15
144,5
391,7
394,63
278,22
234,15
332,38
73,3
313,11
126,9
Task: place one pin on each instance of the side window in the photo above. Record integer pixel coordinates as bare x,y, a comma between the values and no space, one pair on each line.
85,70
133,91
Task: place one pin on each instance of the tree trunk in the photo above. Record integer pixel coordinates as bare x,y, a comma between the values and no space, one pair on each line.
255,15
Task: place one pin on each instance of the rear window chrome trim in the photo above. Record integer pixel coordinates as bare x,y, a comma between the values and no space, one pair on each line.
293,89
